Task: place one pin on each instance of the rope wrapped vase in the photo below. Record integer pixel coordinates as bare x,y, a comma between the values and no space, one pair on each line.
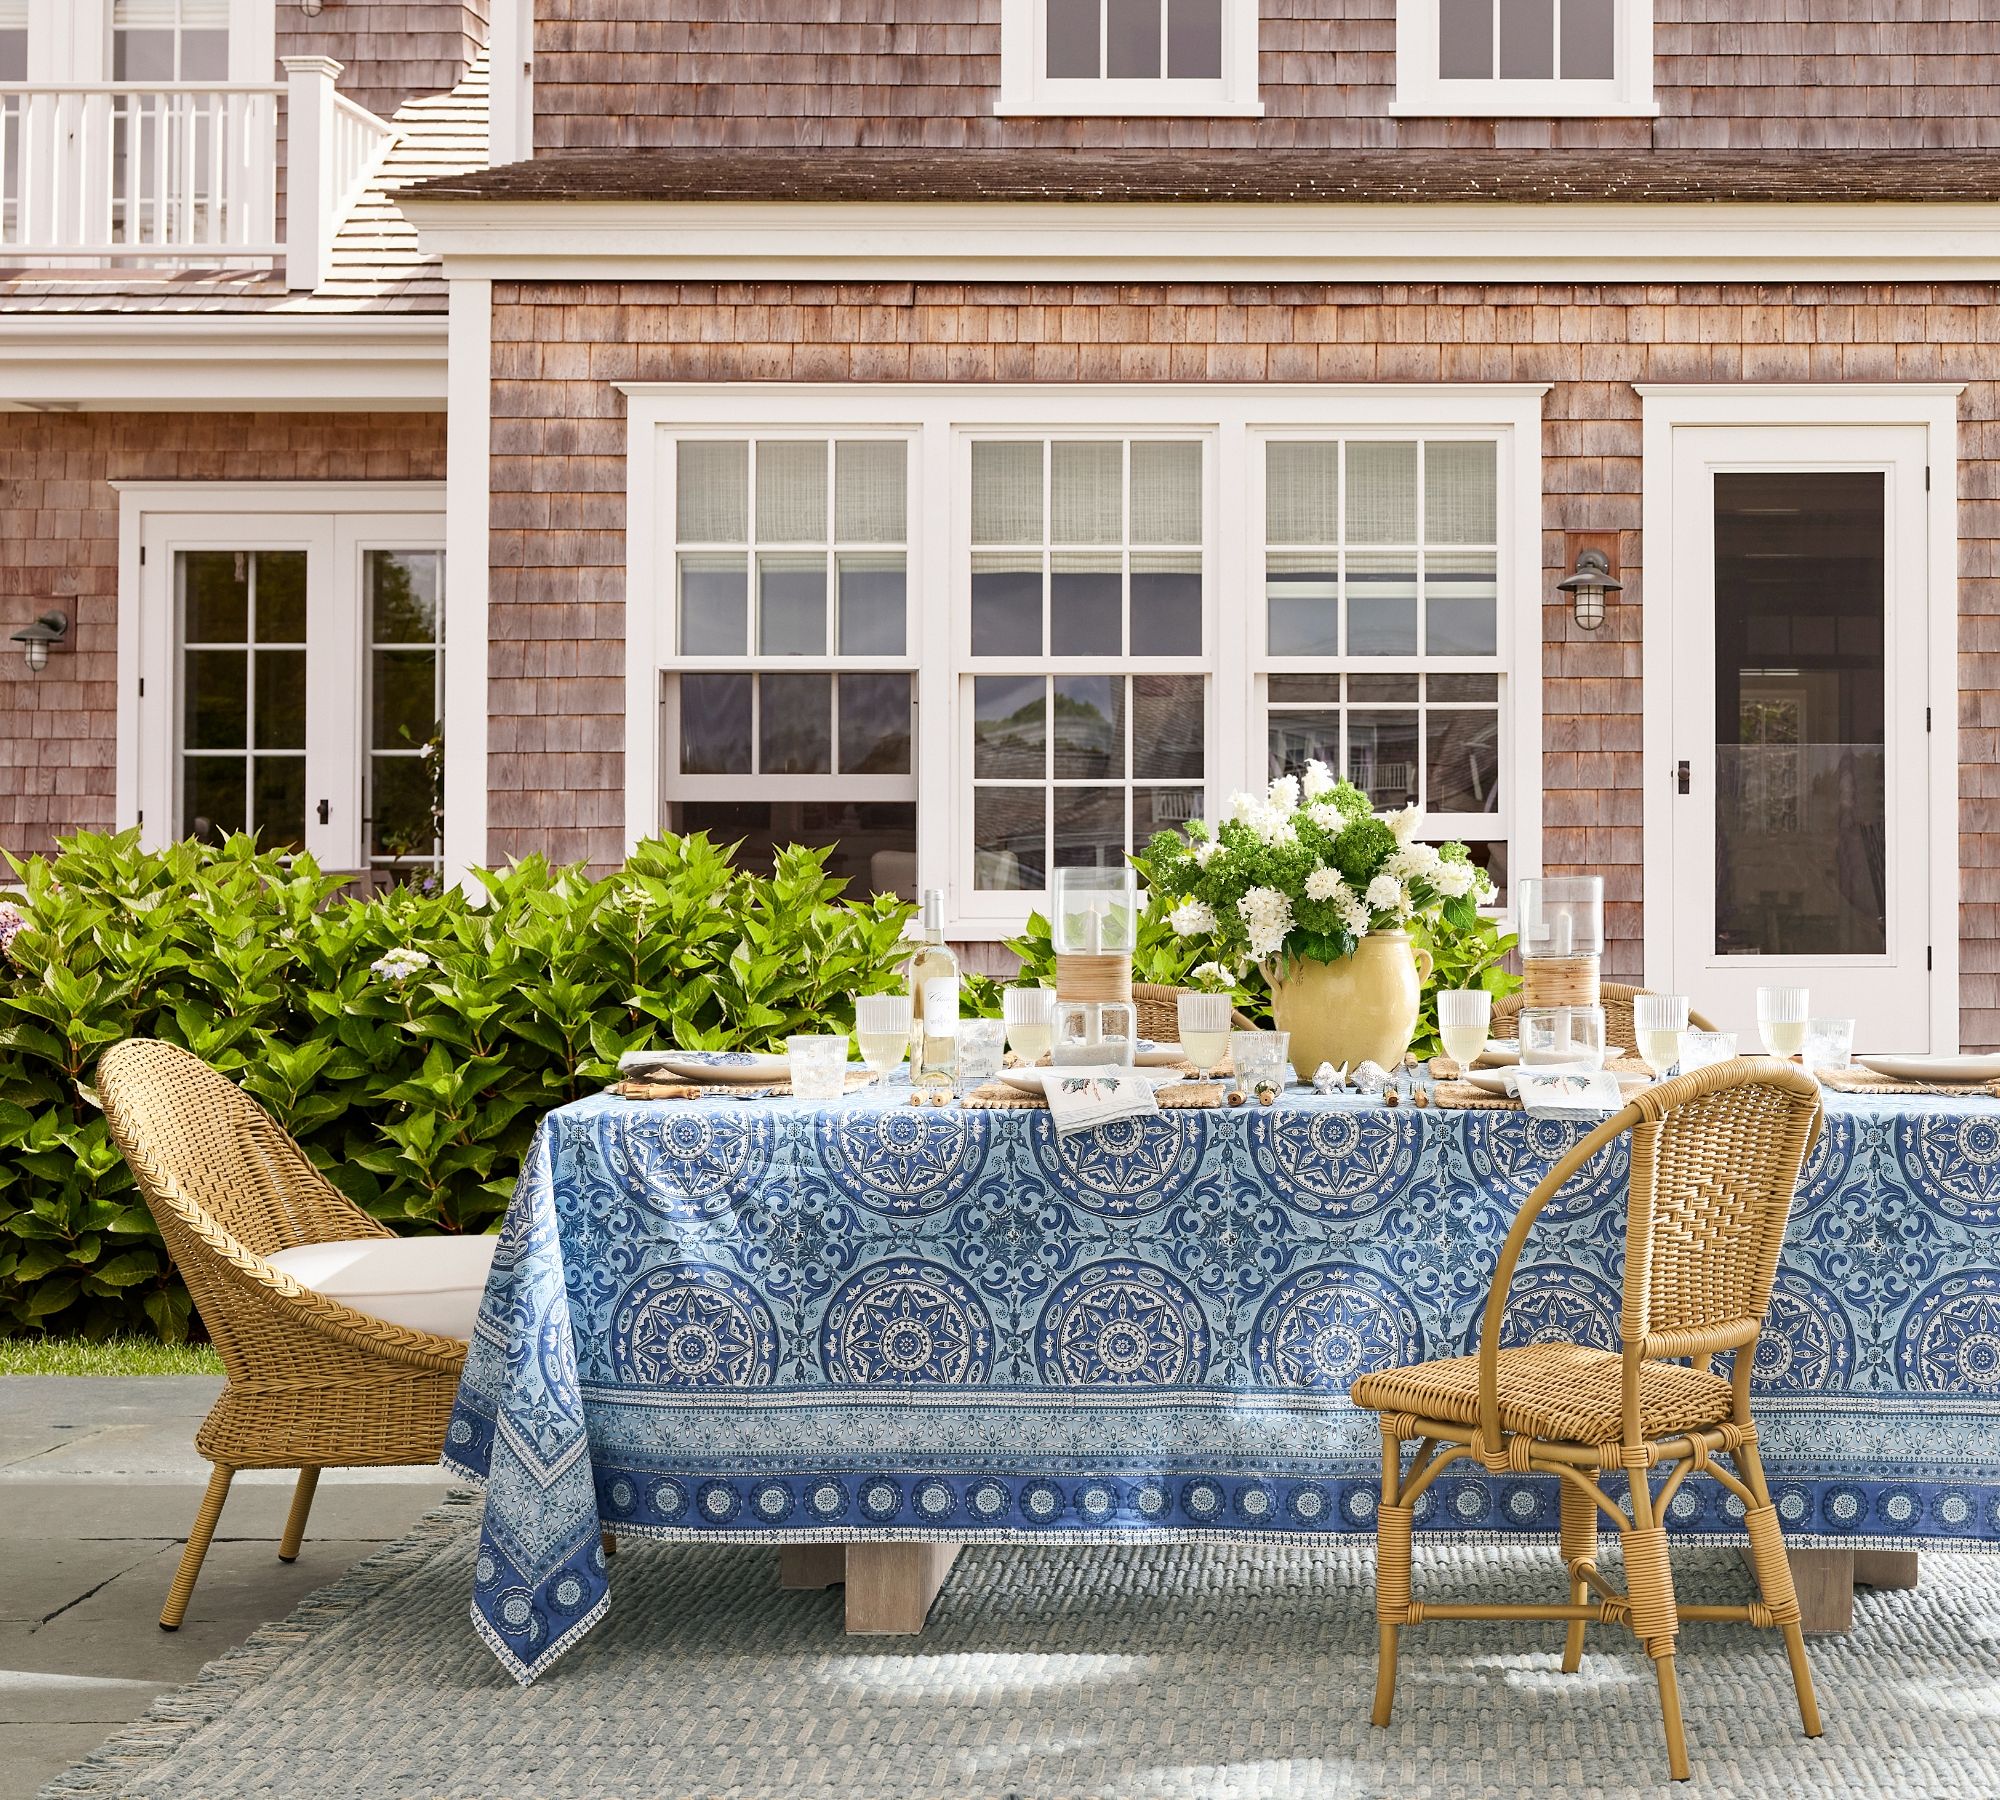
1562,940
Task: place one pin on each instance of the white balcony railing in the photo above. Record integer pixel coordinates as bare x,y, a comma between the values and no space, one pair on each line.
181,173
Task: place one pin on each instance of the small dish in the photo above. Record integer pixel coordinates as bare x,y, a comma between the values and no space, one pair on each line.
1967,1069
1148,1055
1500,1053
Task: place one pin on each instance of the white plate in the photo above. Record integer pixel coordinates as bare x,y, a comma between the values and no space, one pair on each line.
1500,1053
1934,1068
1029,1081
707,1065
1149,1055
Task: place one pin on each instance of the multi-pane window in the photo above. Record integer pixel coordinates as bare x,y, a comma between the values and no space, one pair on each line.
1546,58
1133,40
1085,614
1382,624
1163,57
243,694
170,40
13,41
404,803
792,565
1527,40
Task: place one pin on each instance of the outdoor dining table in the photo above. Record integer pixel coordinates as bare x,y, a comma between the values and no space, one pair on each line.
895,1329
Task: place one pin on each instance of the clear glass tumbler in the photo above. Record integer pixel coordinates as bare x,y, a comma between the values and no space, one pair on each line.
1829,1044
1698,1049
982,1045
1566,1036
819,1066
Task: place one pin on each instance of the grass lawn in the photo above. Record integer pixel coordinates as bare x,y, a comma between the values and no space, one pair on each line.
113,1356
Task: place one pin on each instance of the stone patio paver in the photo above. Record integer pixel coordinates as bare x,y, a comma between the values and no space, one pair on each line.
98,1481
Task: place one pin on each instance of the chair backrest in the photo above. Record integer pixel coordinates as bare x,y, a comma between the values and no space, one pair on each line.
1158,1007
1715,1162
1616,999
201,1148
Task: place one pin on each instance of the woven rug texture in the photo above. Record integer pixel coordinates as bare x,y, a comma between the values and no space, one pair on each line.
1059,1674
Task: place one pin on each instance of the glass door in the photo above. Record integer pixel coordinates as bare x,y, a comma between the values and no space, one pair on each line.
1800,839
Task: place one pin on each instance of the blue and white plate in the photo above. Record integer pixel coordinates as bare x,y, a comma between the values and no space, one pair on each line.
705,1065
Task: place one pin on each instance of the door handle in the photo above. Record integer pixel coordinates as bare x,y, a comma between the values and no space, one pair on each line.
1680,786
324,811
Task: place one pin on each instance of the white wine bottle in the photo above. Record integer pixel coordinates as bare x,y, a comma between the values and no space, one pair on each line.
933,982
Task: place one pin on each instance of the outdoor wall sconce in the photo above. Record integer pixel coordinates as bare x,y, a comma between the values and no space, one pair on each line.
35,639
1588,586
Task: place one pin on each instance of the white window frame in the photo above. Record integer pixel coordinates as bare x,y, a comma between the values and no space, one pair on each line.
938,418
1421,93
1027,92
70,41
336,523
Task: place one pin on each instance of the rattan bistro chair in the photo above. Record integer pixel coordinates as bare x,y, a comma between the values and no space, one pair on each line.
311,1384
1714,1160
1616,999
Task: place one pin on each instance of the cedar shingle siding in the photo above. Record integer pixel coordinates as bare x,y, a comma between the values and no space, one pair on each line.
391,50
558,480
59,547
1728,73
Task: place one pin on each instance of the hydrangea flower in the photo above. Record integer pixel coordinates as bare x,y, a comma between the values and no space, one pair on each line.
1211,978
399,965
13,921
1194,918
1325,884
1318,782
1387,894
1267,915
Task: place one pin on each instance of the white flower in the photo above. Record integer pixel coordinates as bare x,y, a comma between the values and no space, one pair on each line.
1326,816
1245,807
1267,915
1414,862
1211,978
1324,884
1319,780
1275,828
1193,918
1403,824
399,965
1385,894
1206,852
1283,794
1354,913
1451,879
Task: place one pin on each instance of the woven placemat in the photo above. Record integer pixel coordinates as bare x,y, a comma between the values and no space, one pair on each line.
997,1096
1462,1096
697,1090
1866,1081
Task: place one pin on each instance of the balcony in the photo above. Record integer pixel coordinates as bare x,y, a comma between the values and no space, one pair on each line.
179,175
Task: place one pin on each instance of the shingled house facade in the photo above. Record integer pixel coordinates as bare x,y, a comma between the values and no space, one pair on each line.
973,433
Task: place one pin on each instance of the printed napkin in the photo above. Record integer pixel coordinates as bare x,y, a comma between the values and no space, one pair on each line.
1094,1094
1560,1093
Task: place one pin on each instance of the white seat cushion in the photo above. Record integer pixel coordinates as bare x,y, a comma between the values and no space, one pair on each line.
427,1284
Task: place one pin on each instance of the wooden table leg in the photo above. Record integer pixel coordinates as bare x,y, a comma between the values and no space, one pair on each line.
1825,1583
890,1587
811,1565
1885,1568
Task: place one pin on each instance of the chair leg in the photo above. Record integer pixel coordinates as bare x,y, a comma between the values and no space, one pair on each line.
1655,1618
1393,1555
175,1610
295,1520
607,1541
1774,1582
1579,1551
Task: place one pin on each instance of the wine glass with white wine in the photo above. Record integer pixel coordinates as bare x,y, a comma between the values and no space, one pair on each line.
1657,1022
1781,1019
882,1031
1029,1013
1465,1016
1204,1023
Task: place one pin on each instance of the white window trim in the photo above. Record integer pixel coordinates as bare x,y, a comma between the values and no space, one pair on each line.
1231,418
70,41
1025,92
1664,408
1422,94
339,520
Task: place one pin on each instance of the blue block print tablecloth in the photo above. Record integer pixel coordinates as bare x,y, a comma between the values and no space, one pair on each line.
784,1321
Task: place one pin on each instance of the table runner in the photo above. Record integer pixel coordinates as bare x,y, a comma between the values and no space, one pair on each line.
785,1321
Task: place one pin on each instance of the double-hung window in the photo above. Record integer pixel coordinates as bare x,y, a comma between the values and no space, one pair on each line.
788,712
1514,58
1383,639
1084,694
1130,57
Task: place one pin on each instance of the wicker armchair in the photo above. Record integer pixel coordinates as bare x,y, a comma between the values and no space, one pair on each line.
1715,1158
1616,999
311,1383
1158,1007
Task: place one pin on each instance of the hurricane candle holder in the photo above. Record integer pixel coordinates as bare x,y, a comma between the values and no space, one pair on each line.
1562,939
1095,930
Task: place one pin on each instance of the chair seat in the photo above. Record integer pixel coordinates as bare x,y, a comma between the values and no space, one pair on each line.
423,1284
1565,1393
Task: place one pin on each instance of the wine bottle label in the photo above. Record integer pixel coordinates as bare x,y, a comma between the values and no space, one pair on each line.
941,1005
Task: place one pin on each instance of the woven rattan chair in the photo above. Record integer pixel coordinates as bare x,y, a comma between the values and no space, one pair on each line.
311,1384
1714,1160
1616,999
1158,1007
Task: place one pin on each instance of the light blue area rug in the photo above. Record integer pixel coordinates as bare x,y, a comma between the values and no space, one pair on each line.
1052,1674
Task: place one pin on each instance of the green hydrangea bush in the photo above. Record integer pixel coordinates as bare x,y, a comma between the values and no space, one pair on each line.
409,1039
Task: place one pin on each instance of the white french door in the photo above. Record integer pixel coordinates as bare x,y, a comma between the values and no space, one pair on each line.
1799,845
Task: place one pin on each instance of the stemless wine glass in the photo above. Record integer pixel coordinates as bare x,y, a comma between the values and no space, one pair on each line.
819,1065
1204,1024
882,1031
1562,1036
1657,1022
1829,1044
1698,1049
1029,1012
1781,1019
1465,1015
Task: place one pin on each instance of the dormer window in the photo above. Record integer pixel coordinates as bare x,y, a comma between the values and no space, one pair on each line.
1524,59
1136,58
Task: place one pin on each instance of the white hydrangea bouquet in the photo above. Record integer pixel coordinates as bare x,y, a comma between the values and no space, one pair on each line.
1305,871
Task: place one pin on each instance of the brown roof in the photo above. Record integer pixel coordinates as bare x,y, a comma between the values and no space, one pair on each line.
1280,177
